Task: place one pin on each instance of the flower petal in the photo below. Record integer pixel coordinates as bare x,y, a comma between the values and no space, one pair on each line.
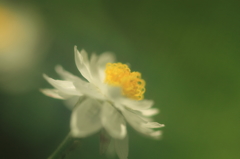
94,69
70,77
88,89
113,92
121,147
72,101
65,74
113,121
111,149
134,119
149,112
82,63
54,93
63,86
103,59
153,125
85,119
137,105
141,125
140,114
104,141
156,134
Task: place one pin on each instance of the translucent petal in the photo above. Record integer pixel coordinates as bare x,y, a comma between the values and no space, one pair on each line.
88,89
153,125
149,112
72,101
112,92
94,69
140,114
84,56
104,140
121,147
137,105
65,74
134,119
54,93
141,125
105,58
102,75
82,63
156,134
66,87
113,121
85,119
102,61
111,149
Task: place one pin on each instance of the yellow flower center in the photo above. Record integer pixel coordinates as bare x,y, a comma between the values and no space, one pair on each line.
118,74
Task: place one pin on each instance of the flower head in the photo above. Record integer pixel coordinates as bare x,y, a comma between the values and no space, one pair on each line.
111,96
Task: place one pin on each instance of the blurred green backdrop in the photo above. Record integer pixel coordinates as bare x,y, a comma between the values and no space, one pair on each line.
187,51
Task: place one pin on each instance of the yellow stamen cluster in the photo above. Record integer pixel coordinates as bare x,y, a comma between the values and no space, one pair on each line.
118,74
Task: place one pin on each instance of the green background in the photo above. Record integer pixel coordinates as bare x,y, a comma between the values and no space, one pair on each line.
187,51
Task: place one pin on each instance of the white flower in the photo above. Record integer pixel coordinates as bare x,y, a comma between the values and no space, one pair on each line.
112,96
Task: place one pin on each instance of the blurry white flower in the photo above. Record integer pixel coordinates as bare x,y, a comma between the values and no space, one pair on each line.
112,96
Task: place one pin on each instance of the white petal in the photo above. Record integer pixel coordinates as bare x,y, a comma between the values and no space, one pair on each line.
114,93
54,93
113,121
140,114
102,75
104,58
121,147
84,56
68,76
156,134
102,61
149,112
105,141
141,125
65,74
82,63
72,101
94,70
134,119
66,87
153,125
85,119
111,149
137,105
88,89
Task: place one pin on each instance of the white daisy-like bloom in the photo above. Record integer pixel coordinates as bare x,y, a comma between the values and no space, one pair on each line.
110,96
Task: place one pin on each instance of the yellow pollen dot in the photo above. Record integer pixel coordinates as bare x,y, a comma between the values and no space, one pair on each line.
118,74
